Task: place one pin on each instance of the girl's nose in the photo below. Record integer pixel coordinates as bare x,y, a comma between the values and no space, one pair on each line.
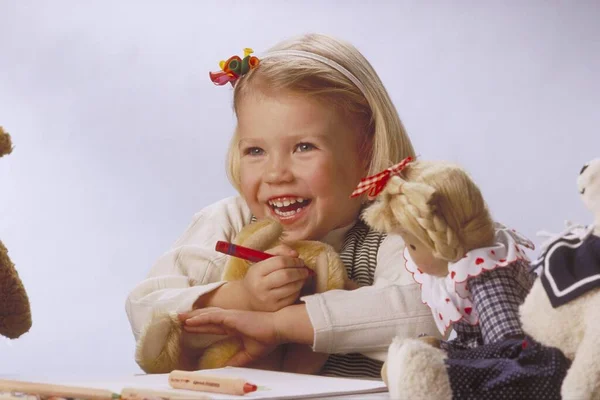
278,171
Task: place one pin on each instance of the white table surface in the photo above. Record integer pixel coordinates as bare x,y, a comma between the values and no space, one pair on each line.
66,378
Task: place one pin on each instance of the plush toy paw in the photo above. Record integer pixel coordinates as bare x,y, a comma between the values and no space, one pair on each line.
15,313
416,370
431,340
220,353
165,329
573,389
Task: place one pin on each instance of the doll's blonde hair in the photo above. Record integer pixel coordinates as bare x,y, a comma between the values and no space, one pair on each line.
384,141
438,203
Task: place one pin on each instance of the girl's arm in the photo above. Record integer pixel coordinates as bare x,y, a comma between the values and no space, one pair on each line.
362,320
366,320
188,271
497,295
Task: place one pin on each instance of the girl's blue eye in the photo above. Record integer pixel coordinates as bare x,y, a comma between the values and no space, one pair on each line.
302,147
253,151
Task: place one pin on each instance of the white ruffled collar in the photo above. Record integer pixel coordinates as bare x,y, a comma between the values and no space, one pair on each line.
448,297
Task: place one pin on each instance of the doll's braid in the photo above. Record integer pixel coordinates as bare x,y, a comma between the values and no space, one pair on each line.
415,206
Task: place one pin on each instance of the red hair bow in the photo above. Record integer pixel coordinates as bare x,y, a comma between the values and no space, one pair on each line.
375,183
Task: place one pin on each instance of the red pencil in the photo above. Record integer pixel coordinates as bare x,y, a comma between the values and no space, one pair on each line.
242,252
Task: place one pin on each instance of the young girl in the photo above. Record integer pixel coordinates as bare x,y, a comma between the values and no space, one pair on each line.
312,119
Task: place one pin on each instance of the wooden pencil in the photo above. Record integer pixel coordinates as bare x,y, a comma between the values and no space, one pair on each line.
47,389
151,394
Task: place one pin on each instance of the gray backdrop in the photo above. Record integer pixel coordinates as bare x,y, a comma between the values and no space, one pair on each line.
120,136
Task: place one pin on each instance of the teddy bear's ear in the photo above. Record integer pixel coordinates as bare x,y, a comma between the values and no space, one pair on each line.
588,184
5,143
260,235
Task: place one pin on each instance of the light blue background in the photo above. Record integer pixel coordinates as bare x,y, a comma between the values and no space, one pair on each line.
120,136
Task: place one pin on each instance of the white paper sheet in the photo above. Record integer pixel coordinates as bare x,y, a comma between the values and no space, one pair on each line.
272,385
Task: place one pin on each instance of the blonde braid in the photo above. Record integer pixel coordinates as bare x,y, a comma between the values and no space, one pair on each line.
414,206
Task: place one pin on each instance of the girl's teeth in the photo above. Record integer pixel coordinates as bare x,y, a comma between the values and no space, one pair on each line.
286,202
286,214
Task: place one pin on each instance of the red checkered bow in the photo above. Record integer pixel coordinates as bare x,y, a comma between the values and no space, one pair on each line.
375,183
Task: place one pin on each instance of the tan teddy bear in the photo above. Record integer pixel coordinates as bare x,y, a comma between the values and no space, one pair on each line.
15,312
330,273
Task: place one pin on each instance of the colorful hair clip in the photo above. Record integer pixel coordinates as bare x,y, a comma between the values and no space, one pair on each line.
233,68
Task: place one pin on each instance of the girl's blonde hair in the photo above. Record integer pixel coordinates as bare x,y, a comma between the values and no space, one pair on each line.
438,203
384,141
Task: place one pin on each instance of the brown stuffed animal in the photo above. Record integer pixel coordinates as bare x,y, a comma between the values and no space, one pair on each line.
330,273
15,313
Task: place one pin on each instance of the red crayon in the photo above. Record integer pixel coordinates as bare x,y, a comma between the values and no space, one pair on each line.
242,252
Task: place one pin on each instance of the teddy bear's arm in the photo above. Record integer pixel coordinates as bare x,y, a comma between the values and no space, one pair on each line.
583,377
15,312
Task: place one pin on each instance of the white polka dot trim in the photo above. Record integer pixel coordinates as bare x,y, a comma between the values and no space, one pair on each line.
448,297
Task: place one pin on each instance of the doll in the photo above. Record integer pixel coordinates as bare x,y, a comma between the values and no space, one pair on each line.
474,274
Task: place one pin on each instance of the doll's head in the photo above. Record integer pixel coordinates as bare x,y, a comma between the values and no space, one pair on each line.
437,209
312,119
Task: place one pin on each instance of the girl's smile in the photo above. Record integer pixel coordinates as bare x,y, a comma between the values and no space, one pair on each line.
288,209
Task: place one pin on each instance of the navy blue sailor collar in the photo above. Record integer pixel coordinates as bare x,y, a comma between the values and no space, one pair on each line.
570,266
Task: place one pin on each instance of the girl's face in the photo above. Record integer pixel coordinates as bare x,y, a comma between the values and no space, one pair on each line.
299,163
423,257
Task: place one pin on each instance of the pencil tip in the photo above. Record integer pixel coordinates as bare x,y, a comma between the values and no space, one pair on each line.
248,387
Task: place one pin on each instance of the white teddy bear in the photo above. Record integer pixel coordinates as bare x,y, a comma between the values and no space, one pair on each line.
563,308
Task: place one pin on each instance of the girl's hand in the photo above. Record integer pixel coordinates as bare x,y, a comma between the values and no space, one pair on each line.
276,282
257,330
